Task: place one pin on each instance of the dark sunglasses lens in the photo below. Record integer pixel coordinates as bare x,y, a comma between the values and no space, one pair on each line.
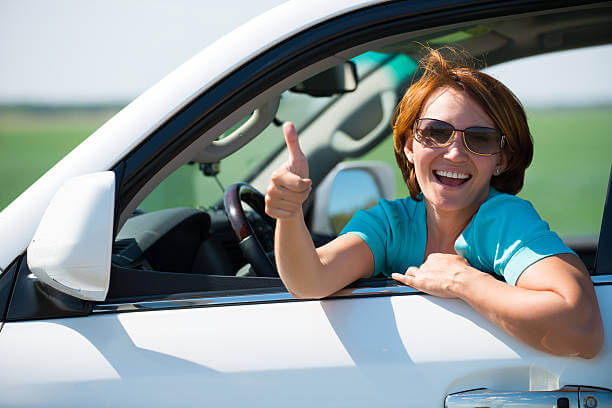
483,140
433,133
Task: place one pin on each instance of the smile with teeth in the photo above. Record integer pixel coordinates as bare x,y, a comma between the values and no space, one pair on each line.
451,178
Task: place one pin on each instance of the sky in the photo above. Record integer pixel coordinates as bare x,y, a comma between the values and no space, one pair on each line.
105,50
110,51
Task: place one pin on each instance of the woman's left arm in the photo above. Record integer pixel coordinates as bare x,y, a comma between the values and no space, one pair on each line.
553,306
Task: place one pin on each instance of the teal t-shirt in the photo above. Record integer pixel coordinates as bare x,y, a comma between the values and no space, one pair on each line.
504,237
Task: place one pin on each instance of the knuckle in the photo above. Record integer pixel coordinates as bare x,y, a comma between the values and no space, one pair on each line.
278,174
271,194
272,187
303,196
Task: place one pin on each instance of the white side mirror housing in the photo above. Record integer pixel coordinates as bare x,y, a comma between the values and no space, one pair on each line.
72,247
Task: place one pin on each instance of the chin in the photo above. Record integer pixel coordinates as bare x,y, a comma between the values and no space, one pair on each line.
454,201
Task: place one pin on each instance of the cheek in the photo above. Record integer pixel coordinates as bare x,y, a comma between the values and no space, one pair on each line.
422,157
486,165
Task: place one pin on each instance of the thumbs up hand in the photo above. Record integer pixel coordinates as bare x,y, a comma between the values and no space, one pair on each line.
289,185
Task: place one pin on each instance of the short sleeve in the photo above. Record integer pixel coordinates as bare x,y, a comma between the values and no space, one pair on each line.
506,236
372,226
395,231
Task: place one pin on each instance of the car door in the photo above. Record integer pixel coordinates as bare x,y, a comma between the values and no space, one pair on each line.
377,344
388,346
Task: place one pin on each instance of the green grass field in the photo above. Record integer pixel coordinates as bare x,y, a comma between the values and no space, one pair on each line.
569,174
566,182
31,142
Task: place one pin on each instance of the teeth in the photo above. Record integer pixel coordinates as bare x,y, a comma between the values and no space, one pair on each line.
451,174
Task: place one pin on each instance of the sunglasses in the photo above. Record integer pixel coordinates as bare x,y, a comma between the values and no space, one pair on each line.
482,141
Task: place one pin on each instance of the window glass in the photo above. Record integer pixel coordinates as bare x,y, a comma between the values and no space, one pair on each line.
189,187
568,105
571,129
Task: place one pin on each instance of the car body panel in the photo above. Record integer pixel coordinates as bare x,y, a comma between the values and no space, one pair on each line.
404,350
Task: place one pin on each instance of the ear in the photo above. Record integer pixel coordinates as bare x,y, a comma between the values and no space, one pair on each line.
502,162
408,150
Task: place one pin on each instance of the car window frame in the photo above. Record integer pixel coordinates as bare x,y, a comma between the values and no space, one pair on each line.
288,58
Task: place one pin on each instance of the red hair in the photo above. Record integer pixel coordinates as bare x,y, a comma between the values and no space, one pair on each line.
500,104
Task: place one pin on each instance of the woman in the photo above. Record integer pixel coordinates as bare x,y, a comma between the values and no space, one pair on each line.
462,142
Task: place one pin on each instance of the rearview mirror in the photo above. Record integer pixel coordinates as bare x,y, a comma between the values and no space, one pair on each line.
333,81
71,249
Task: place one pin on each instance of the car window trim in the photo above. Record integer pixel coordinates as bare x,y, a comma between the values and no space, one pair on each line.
203,300
243,299
33,303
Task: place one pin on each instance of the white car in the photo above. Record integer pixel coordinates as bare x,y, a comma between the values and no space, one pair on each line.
124,283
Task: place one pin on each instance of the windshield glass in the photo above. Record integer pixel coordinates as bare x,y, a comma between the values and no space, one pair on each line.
188,186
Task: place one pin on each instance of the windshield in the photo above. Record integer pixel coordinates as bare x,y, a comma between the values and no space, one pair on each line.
189,186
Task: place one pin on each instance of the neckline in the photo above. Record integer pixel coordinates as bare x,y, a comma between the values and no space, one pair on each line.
492,192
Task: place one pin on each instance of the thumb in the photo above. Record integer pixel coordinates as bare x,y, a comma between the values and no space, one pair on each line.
298,164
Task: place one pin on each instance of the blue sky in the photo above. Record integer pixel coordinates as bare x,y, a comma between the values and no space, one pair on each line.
73,51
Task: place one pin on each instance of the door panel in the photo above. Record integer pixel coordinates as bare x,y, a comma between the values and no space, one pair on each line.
370,351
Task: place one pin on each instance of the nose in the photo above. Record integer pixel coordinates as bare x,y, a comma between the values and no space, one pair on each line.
456,150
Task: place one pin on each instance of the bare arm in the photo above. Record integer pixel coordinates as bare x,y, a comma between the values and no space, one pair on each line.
315,273
308,272
552,308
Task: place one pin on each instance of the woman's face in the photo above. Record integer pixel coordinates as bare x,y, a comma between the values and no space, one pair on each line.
452,178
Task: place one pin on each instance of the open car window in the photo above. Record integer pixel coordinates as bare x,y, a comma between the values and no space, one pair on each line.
567,179
180,242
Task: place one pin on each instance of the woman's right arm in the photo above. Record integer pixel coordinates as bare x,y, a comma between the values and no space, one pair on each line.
306,271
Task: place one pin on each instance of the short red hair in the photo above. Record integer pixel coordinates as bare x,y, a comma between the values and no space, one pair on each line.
500,104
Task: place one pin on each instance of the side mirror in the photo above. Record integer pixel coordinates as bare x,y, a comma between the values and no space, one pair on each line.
350,186
336,80
71,249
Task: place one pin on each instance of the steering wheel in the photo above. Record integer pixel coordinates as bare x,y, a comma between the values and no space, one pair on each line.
250,244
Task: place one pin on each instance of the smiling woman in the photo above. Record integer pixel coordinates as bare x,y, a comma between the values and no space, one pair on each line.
462,223
493,105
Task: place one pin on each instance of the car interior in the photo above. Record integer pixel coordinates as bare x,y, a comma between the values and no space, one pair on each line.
224,246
